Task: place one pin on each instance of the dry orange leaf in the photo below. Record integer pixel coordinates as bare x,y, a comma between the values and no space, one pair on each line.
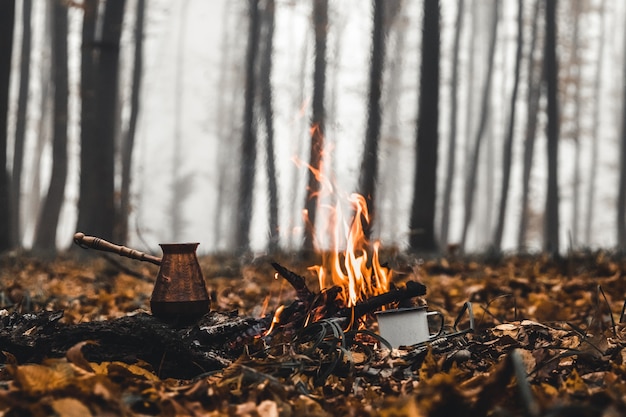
70,407
36,379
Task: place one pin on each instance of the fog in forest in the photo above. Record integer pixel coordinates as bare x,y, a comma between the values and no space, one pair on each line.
187,150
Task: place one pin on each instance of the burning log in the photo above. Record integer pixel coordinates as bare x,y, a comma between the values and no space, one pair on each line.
327,305
397,295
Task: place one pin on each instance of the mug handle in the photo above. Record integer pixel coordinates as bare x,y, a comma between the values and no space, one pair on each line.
441,320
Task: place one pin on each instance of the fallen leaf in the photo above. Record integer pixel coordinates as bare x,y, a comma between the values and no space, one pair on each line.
70,407
75,355
35,379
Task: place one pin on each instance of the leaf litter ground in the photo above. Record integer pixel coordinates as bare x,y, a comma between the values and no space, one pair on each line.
547,340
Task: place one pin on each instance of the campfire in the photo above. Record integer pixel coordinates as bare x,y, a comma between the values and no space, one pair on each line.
355,271
352,280
353,286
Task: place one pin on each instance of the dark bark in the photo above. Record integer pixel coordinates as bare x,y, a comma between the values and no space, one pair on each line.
320,26
268,119
508,144
422,221
369,163
551,216
20,123
248,146
7,21
470,184
45,236
451,163
532,109
211,343
99,75
129,137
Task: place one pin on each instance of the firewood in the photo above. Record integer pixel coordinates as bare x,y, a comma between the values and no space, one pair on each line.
298,282
410,290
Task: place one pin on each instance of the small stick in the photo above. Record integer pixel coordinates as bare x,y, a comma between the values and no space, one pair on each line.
297,282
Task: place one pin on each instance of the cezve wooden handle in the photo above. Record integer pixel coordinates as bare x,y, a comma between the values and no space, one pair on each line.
100,244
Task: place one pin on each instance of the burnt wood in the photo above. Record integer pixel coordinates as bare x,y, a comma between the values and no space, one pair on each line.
173,350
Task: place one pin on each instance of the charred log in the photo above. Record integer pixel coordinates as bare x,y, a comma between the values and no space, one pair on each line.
398,295
173,351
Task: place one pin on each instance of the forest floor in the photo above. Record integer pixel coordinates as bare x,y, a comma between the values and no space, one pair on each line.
547,341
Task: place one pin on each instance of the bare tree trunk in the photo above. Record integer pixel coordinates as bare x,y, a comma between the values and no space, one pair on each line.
576,65
32,201
300,128
551,231
20,123
320,23
268,118
7,21
129,137
470,100
422,221
248,147
180,183
99,75
532,109
621,196
508,144
451,163
369,163
90,167
593,166
393,91
45,236
470,184
227,122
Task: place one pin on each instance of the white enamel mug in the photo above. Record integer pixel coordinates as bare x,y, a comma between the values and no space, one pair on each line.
407,326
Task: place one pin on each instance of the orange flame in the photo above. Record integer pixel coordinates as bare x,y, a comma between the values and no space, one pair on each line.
356,270
275,319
